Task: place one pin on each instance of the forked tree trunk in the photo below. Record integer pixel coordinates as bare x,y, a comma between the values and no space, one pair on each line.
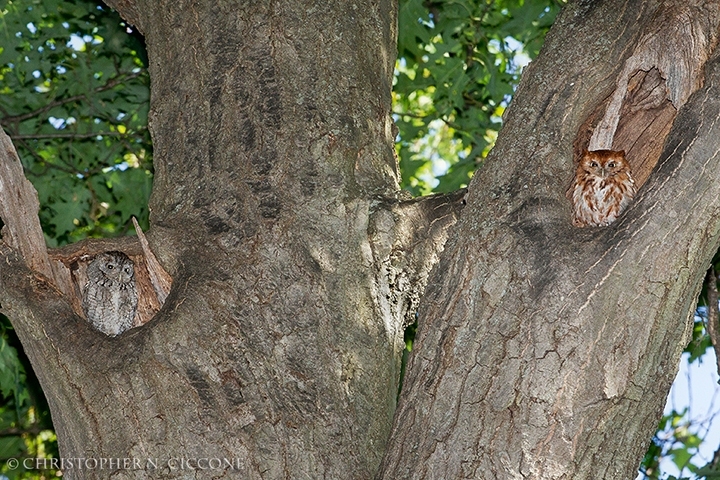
544,351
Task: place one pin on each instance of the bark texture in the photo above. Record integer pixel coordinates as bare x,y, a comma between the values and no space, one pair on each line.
546,351
295,259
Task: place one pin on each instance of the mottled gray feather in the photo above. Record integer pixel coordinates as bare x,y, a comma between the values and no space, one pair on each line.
110,297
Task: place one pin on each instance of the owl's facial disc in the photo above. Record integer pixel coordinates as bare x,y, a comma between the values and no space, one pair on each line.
126,274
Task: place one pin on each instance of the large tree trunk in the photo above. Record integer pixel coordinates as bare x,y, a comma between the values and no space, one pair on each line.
544,351
277,211
547,351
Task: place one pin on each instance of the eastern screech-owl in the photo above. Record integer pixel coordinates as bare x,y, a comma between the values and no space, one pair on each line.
603,188
110,297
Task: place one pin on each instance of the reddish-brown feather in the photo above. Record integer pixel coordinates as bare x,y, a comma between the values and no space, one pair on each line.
603,188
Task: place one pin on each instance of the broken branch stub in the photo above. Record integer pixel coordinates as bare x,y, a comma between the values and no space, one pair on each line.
19,207
160,279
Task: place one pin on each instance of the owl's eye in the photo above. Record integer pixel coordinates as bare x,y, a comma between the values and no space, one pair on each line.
594,164
611,165
127,269
110,266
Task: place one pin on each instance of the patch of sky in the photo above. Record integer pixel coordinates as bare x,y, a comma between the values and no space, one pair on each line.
519,60
60,123
79,43
695,392
76,43
119,167
430,22
427,147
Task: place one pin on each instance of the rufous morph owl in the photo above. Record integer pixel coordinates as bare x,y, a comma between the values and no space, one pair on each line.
603,188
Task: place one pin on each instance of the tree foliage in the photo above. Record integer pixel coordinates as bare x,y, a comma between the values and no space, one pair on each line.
458,65
74,99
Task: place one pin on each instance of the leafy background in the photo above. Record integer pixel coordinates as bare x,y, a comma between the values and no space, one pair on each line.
74,99
458,65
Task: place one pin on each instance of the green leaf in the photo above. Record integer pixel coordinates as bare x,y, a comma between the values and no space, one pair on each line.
412,30
11,447
67,215
454,63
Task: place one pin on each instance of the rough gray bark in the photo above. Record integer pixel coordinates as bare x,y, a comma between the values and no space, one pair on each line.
295,258
546,351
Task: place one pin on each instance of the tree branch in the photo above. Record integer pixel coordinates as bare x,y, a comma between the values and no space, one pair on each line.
113,82
19,207
69,135
159,278
16,432
532,333
712,313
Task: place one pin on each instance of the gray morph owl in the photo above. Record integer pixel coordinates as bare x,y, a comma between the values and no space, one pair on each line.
110,297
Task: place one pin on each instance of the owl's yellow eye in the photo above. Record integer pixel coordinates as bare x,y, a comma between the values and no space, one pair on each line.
594,164
611,165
